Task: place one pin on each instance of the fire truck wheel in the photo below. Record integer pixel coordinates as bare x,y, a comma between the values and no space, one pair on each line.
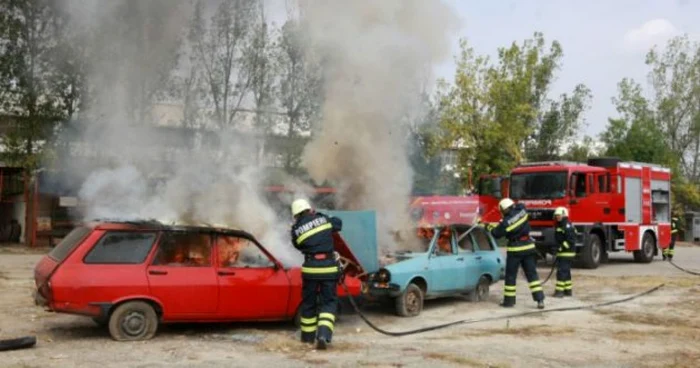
133,321
646,254
592,252
410,303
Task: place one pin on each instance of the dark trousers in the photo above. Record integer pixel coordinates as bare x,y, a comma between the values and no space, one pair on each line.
564,275
319,302
529,263
668,252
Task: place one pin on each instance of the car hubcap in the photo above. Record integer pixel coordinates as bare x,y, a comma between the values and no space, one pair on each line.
482,291
648,248
412,302
134,324
595,251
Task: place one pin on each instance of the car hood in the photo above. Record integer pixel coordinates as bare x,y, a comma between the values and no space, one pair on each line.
397,257
354,268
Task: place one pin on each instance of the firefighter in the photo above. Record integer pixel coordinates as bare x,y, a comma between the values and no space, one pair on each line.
521,251
668,252
312,235
565,236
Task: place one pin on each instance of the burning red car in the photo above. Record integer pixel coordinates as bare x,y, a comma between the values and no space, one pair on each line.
132,276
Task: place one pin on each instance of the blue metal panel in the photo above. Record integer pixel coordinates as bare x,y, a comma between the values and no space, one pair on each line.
360,232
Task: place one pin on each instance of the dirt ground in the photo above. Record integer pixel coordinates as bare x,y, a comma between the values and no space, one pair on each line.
658,330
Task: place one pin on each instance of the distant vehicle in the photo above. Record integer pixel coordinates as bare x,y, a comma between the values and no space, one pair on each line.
133,276
614,205
449,264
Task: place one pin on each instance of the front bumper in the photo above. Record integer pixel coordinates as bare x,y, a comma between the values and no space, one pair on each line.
378,289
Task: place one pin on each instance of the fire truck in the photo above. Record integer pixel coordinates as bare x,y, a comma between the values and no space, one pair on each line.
615,206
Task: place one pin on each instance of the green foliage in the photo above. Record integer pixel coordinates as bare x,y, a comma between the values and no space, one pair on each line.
501,114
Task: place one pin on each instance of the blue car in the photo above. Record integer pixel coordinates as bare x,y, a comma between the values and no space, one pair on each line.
450,263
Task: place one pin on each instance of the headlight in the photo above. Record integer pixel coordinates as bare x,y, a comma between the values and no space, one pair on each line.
383,275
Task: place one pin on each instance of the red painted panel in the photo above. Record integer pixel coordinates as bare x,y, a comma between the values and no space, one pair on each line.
664,236
631,237
646,195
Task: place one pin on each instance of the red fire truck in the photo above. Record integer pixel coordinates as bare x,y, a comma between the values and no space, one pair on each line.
614,205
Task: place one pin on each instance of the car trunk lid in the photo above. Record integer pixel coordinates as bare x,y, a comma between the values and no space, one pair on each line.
50,262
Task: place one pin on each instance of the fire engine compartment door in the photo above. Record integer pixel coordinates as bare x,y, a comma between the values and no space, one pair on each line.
633,199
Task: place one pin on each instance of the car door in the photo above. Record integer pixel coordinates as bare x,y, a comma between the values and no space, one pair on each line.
182,276
251,286
489,261
470,269
446,266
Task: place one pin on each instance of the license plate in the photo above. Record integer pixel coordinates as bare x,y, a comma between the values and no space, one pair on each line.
536,233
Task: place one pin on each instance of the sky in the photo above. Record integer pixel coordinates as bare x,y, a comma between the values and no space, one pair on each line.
603,41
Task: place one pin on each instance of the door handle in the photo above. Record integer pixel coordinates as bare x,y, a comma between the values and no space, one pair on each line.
226,273
157,272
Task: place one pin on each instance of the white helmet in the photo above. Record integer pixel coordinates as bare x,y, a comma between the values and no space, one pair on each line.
561,211
505,204
299,206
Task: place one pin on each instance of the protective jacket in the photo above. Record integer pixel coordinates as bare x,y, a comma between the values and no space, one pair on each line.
565,237
312,235
516,228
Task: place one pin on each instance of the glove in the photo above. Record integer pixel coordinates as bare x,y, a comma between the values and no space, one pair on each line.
336,256
490,227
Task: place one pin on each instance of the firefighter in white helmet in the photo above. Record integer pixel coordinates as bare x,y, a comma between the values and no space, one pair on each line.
521,251
565,236
312,235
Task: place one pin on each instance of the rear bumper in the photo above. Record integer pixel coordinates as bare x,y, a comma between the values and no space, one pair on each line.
40,301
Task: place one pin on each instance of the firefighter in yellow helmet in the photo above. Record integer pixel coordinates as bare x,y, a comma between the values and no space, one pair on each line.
521,251
312,235
565,236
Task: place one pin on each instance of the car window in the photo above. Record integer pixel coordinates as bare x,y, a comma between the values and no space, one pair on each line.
465,244
184,249
236,252
66,246
443,244
121,247
481,239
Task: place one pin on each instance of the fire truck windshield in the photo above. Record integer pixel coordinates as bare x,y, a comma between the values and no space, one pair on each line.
542,185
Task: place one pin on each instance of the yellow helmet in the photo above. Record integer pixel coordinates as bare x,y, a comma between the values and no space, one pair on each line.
505,204
299,206
561,211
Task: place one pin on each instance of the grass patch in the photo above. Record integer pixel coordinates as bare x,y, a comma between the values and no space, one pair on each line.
636,284
686,333
526,331
469,362
649,319
295,349
364,363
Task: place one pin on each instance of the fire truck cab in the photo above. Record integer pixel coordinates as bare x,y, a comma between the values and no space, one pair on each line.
615,206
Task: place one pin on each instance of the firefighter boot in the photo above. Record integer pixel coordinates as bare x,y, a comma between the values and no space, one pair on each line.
558,294
540,304
568,292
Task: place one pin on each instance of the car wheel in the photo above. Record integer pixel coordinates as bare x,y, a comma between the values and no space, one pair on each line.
481,292
410,303
133,321
646,254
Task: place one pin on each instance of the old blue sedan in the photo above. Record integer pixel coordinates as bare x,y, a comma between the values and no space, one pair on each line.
452,261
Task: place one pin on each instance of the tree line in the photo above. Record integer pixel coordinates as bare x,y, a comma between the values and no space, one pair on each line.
231,63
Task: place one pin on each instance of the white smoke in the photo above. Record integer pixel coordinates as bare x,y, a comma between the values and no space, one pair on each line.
377,55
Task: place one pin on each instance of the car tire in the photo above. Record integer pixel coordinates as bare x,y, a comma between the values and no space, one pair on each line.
481,292
592,252
410,302
19,343
133,321
646,254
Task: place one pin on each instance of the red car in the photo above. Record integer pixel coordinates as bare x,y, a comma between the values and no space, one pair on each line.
132,276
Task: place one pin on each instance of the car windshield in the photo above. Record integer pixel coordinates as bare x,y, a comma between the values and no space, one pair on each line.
544,185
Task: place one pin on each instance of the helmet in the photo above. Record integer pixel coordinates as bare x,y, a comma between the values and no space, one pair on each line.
299,206
561,211
505,204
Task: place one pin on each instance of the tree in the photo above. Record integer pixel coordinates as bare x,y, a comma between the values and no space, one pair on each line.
581,151
675,79
300,86
220,49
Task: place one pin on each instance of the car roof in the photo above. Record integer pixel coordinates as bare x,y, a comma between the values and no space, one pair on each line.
152,225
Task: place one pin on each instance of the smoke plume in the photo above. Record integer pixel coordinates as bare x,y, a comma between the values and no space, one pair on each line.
377,54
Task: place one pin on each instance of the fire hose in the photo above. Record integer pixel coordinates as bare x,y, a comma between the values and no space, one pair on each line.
496,318
683,269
